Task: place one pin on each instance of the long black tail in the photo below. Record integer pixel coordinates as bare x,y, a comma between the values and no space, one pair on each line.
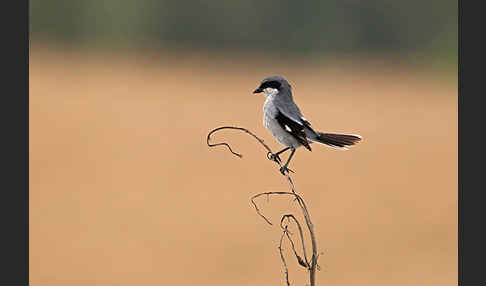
337,140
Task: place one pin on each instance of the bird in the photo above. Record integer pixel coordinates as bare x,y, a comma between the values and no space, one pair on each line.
283,118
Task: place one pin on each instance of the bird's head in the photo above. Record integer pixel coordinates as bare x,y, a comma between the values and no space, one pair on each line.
273,85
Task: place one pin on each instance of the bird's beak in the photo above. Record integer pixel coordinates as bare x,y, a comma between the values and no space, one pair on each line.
258,90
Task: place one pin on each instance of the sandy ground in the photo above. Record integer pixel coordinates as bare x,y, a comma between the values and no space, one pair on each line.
124,190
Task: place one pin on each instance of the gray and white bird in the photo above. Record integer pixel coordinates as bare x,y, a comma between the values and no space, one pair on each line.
285,121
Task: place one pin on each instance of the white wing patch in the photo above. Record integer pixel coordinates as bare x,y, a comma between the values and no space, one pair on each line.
288,128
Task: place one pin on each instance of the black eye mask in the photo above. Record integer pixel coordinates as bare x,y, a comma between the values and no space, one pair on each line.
271,84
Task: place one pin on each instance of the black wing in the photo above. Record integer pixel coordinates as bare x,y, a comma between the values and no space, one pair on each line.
307,124
294,128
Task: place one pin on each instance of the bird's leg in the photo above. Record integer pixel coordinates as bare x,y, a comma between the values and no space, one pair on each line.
281,151
284,167
275,157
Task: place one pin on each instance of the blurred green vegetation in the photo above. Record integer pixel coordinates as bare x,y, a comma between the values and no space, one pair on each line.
288,26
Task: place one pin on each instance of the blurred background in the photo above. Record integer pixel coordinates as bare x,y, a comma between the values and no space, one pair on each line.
125,191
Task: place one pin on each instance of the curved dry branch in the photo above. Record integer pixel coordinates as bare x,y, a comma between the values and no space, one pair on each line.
267,193
286,269
227,145
284,227
312,266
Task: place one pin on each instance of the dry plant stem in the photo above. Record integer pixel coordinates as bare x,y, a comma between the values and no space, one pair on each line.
227,145
299,259
283,259
313,265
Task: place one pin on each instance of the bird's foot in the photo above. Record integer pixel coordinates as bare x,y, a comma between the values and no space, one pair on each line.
274,157
284,170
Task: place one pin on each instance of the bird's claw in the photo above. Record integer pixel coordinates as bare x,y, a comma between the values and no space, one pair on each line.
284,168
274,157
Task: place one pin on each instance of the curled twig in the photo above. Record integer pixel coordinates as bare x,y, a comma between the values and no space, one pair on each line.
227,145
284,227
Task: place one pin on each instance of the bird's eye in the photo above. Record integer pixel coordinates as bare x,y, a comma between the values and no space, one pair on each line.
272,84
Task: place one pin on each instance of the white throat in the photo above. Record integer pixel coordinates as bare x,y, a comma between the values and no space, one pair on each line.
270,92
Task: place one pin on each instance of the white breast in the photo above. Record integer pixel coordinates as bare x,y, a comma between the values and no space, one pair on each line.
269,111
